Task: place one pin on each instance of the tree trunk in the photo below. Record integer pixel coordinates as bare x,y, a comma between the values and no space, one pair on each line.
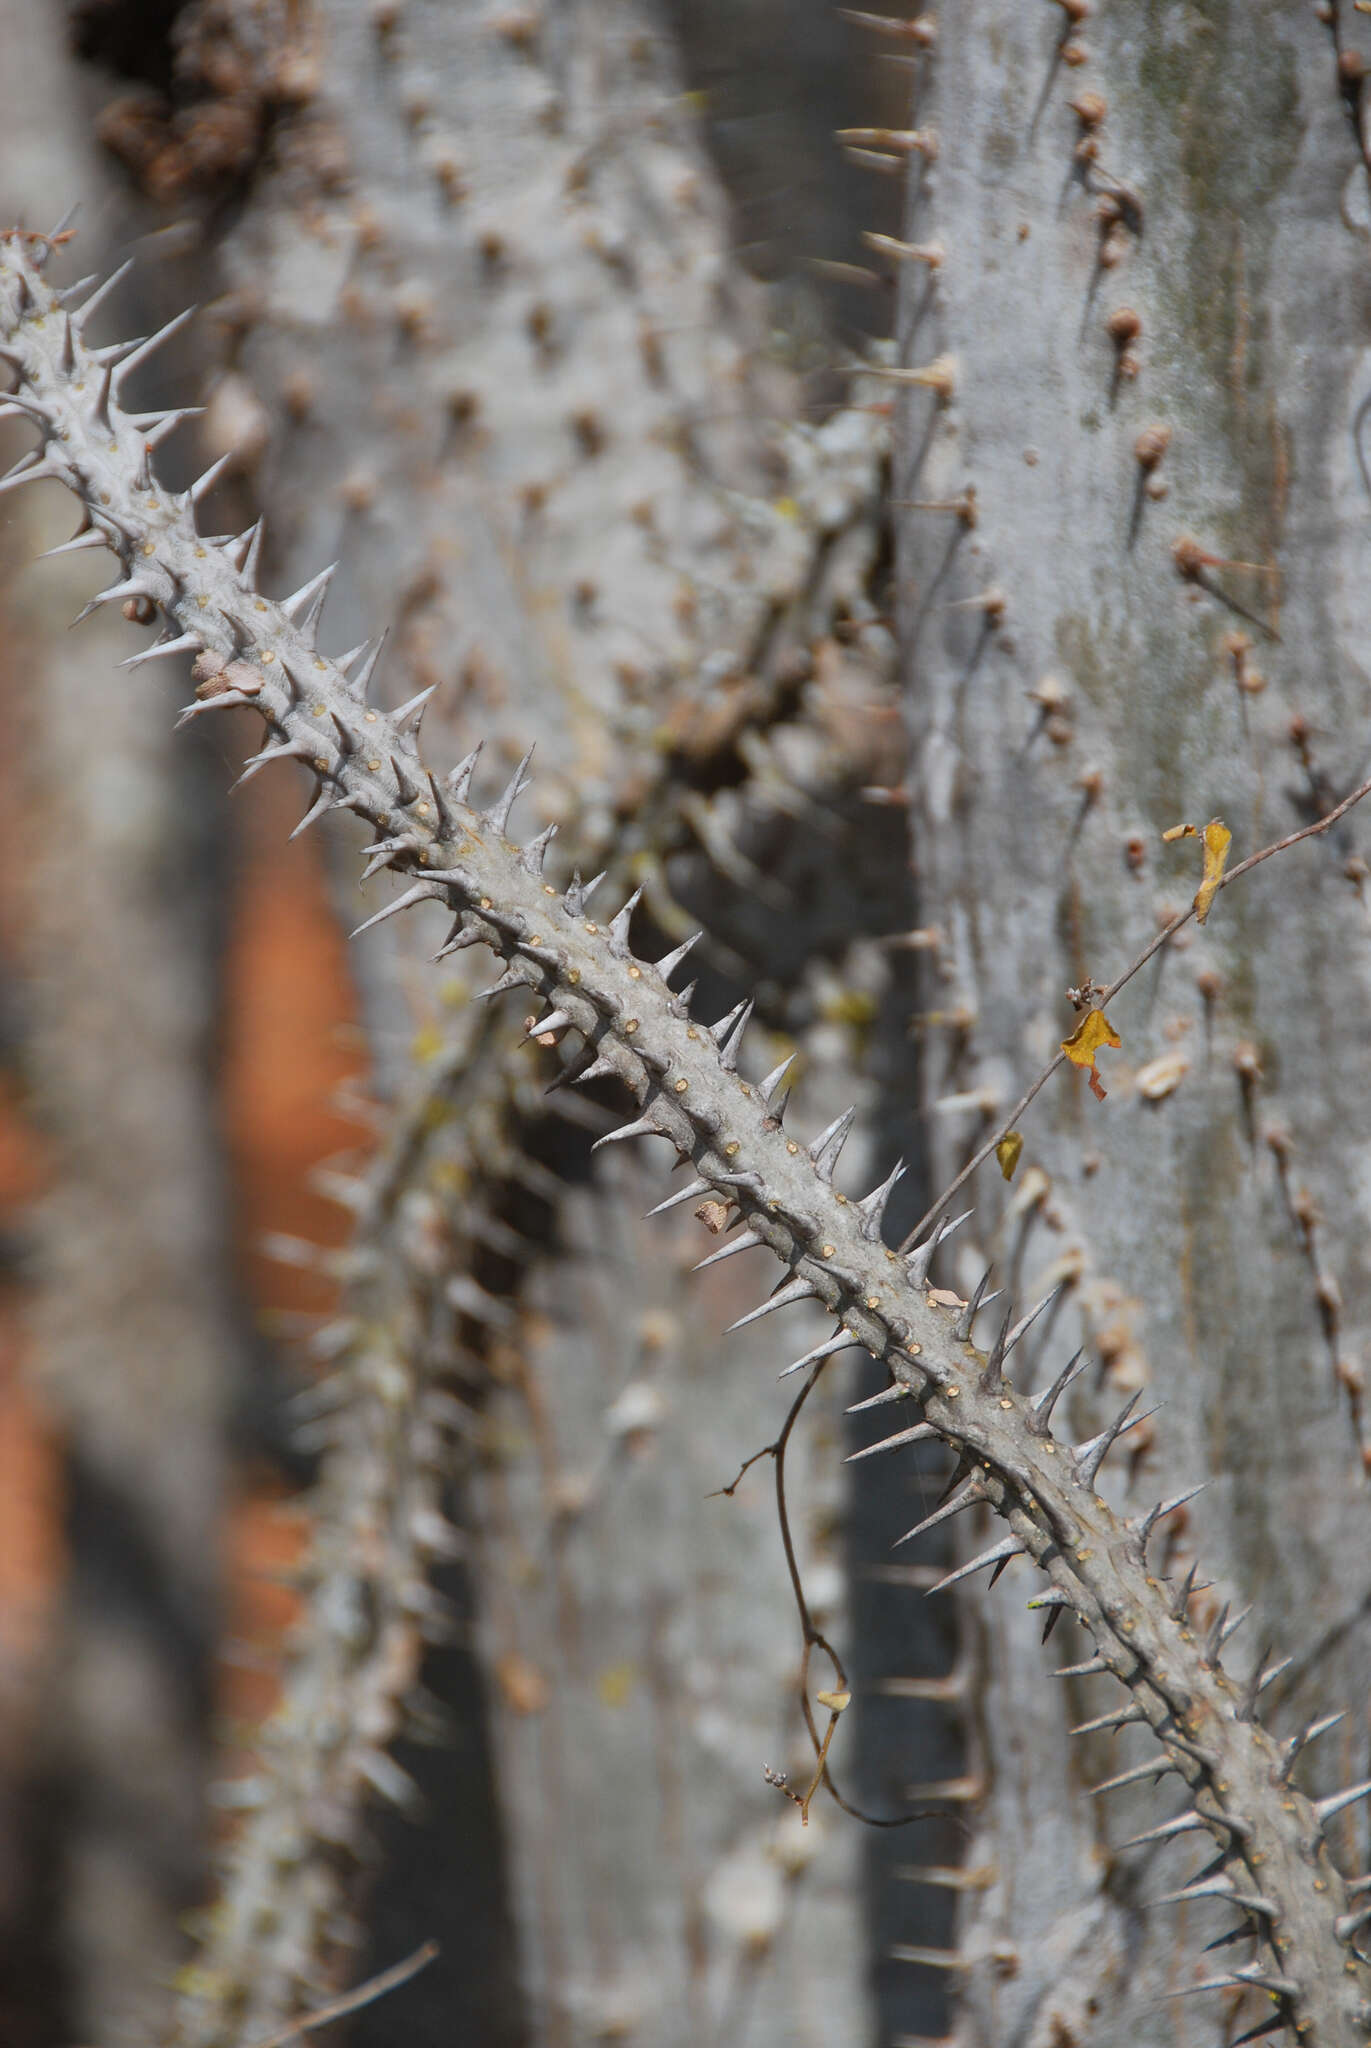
1154,295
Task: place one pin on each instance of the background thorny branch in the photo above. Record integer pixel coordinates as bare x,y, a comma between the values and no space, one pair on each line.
480,326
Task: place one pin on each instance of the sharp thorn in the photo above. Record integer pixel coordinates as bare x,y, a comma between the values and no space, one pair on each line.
1277,2024
31,408
1245,1930
411,712
999,1553
497,817
184,643
276,750
360,682
727,1034
41,252
972,1493
113,593
326,800
1229,1629
406,788
686,1194
619,924
1045,1403
1151,1768
101,293
826,1147
1021,1328
555,1020
91,537
1165,1508
228,701
579,893
347,738
459,778
69,293
154,341
245,552
1090,1456
991,1371
384,855
745,1241
894,1392
798,1289
966,1321
1122,1717
304,605
641,1127
420,893
166,423
1181,1600
598,1070
918,1433
1215,1640
843,1341
872,1207
1311,1732
921,1258
1088,1669
511,978
1263,1674
533,855
768,1087
205,482
1326,1808
1207,1885
1183,1824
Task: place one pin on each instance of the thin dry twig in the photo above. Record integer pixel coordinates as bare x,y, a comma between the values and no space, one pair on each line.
351,2001
814,1639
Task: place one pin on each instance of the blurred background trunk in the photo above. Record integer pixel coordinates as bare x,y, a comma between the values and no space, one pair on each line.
1155,290
134,1339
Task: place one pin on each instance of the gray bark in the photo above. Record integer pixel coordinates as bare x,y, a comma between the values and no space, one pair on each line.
1215,1232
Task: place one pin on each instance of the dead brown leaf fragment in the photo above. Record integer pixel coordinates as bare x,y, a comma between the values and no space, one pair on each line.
1089,1038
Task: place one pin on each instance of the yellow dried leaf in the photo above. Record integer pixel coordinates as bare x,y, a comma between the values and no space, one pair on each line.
1217,840
1180,832
1089,1038
834,1701
1009,1151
